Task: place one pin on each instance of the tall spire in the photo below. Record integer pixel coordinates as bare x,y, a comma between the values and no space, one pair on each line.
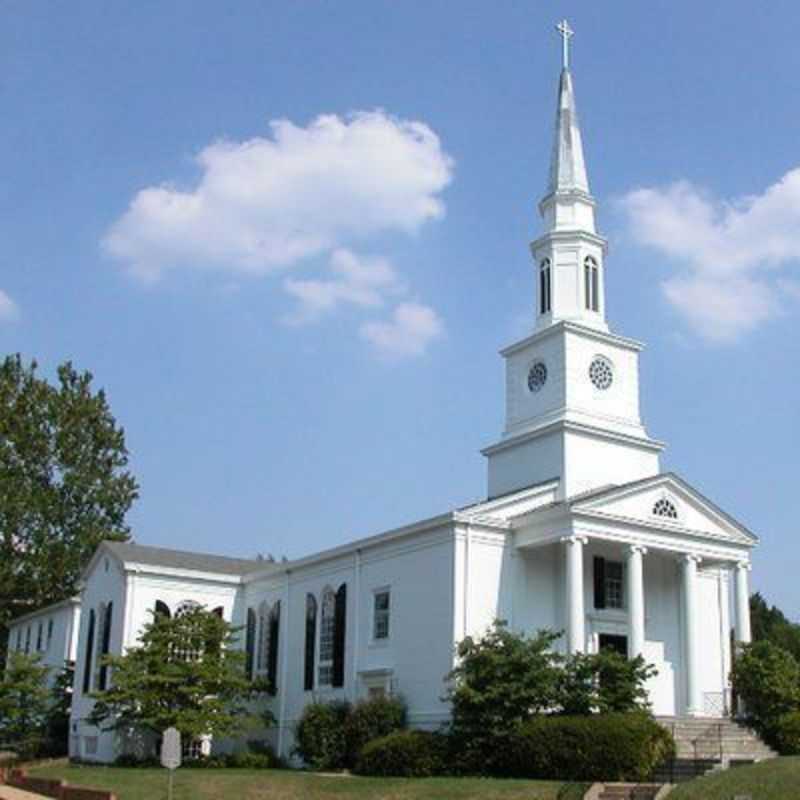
567,167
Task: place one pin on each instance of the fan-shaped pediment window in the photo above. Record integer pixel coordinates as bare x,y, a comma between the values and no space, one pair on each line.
664,507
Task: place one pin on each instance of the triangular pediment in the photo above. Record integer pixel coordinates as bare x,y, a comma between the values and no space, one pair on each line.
665,501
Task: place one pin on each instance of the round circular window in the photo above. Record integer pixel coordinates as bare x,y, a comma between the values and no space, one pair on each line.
601,372
537,376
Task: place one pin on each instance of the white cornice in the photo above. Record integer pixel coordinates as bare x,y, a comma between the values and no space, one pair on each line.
642,443
578,329
569,236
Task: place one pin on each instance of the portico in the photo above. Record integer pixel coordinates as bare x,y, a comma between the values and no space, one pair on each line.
652,584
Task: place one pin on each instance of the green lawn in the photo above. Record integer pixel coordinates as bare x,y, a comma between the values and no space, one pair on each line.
202,784
776,779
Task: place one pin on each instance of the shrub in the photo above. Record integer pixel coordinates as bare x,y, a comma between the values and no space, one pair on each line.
602,747
321,736
767,679
372,719
250,761
785,734
405,754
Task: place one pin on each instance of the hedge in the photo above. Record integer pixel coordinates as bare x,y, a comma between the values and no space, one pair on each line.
601,747
785,734
404,754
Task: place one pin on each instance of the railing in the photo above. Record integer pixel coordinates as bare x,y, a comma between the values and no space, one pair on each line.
717,704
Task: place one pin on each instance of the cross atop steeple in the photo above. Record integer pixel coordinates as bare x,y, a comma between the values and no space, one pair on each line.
566,34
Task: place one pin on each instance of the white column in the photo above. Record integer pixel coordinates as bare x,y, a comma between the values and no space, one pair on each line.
691,652
576,636
742,603
635,587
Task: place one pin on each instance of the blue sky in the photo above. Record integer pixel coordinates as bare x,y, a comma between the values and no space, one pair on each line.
286,390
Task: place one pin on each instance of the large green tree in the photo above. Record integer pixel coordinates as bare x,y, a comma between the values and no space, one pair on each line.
64,483
25,703
187,672
770,624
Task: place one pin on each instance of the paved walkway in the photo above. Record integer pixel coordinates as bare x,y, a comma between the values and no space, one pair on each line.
10,793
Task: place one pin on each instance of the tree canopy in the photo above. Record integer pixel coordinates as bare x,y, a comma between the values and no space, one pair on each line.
770,624
64,484
25,704
187,672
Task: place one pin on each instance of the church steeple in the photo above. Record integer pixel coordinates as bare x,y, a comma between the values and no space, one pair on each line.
570,255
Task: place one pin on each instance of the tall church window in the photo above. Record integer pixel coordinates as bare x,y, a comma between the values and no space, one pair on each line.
273,634
87,665
98,645
311,635
49,633
39,631
326,631
190,647
544,286
250,642
591,284
28,640
262,648
380,619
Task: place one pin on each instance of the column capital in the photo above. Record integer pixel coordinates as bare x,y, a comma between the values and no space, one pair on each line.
687,558
575,539
744,565
636,548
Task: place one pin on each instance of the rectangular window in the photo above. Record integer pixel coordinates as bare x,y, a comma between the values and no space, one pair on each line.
609,585
49,633
90,746
595,290
614,585
28,640
380,621
39,630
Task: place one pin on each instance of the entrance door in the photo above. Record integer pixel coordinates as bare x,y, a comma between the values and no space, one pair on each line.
611,641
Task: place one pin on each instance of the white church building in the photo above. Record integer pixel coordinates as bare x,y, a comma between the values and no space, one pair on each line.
581,531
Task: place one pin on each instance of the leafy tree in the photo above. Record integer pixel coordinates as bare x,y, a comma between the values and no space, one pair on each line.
24,703
186,673
64,486
621,682
59,712
770,624
501,680
767,679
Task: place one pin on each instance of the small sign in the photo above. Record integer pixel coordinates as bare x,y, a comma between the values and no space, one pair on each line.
171,749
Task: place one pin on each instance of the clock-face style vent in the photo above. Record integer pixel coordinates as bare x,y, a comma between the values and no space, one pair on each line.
537,376
665,508
601,372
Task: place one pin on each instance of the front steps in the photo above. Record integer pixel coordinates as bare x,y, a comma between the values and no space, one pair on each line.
708,743
629,791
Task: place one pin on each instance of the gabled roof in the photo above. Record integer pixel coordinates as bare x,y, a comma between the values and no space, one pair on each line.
132,553
606,494
45,610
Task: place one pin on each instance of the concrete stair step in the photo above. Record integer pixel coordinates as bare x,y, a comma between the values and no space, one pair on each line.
629,791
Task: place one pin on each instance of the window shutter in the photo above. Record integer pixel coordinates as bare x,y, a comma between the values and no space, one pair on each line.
250,642
340,623
106,646
87,667
311,637
599,582
162,608
274,635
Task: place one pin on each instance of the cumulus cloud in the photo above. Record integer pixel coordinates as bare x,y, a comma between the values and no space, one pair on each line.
8,308
270,202
732,256
358,281
408,333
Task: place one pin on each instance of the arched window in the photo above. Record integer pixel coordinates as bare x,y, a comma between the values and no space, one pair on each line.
273,639
163,609
591,282
185,606
190,645
544,286
311,635
87,664
250,643
665,508
327,629
219,611
262,649
340,636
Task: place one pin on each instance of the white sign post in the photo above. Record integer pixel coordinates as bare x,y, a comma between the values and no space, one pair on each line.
171,753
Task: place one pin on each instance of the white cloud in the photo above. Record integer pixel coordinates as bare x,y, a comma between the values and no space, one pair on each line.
358,281
8,308
409,332
733,256
270,202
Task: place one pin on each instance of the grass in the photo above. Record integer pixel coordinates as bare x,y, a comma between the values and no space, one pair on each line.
776,779
210,784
